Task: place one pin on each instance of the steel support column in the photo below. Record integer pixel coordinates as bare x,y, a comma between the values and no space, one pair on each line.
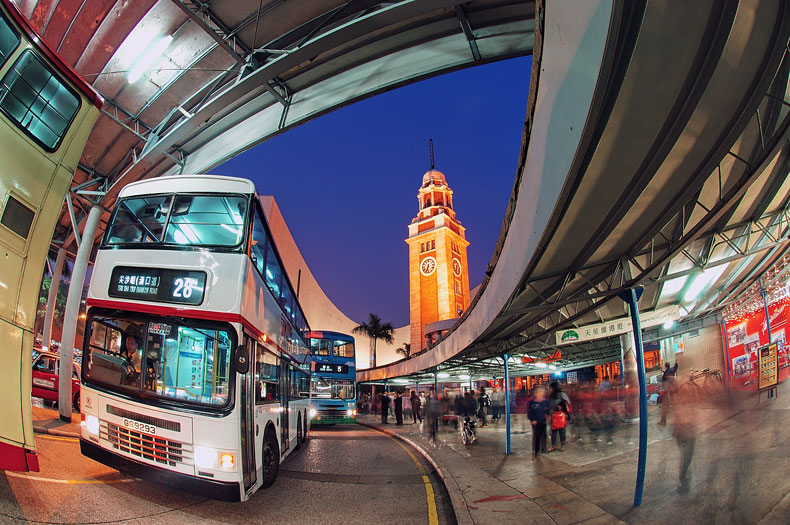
507,404
727,364
631,297
72,311
764,295
54,285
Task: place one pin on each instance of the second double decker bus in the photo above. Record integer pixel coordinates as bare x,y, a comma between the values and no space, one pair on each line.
333,383
194,371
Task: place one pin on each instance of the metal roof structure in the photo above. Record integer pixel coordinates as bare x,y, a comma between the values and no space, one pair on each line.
655,150
663,166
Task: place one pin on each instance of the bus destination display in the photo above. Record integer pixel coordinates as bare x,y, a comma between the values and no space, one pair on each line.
328,367
158,284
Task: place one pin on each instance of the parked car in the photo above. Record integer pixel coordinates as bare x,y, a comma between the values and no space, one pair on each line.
46,369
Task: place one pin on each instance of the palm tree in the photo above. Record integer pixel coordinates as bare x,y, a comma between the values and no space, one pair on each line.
405,350
376,330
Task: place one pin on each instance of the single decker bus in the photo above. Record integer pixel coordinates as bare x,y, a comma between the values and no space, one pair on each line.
195,373
333,382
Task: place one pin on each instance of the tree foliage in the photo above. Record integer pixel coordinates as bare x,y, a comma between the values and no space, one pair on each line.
376,329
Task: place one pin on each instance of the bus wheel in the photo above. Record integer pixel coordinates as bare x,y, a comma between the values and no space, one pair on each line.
271,458
77,402
299,436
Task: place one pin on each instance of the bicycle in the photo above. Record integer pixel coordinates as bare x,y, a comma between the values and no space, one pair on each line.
707,380
468,434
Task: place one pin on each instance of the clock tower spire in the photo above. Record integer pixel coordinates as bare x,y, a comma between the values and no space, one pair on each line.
438,275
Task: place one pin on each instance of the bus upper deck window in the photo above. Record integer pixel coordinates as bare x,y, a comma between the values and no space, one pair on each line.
8,40
37,101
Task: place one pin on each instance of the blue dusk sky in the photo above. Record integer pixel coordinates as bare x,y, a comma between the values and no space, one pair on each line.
347,182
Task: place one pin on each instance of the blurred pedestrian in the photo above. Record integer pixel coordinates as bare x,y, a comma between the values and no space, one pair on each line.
537,413
398,409
497,404
416,406
683,417
385,407
483,402
432,414
559,407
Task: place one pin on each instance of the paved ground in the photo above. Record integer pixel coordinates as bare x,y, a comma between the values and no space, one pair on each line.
344,474
739,471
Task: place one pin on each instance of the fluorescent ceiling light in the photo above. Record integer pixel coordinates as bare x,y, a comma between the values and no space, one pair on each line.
463,376
541,365
149,57
443,375
552,367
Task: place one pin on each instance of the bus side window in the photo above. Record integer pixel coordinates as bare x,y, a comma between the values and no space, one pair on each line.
267,377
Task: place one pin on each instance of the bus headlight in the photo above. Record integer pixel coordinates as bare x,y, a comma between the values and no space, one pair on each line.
210,458
91,424
313,412
205,457
350,412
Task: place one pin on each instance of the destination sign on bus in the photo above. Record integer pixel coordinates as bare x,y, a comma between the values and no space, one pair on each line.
333,369
158,284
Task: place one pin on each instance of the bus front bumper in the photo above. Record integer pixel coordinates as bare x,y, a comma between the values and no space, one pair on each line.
333,420
218,490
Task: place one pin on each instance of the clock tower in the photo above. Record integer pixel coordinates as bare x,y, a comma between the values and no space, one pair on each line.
438,275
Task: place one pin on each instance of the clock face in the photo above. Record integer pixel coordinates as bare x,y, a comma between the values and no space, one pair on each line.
428,266
456,267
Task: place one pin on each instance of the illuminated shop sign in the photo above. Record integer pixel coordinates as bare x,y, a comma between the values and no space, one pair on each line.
158,284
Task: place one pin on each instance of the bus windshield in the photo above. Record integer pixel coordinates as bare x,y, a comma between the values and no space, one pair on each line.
180,220
172,358
328,388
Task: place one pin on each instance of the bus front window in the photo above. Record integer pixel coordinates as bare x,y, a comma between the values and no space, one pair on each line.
169,360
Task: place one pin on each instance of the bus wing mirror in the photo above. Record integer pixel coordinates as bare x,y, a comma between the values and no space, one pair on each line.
242,360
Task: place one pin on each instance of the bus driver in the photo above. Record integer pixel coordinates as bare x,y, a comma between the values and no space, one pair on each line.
132,352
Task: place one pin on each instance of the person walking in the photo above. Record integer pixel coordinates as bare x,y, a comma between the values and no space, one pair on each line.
432,415
398,408
559,405
497,404
385,407
667,390
537,413
483,402
416,406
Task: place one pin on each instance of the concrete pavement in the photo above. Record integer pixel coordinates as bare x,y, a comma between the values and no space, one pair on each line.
738,472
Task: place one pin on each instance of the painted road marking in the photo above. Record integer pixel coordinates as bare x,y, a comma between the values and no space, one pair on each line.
57,438
68,481
433,517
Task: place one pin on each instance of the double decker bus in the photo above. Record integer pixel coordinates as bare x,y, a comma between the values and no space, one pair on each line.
46,115
194,370
334,380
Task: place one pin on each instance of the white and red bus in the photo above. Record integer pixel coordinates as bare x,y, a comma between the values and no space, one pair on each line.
195,373
46,115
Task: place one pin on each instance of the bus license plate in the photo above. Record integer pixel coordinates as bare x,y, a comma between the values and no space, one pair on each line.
140,427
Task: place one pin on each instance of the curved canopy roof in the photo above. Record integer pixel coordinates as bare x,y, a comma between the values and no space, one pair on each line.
655,148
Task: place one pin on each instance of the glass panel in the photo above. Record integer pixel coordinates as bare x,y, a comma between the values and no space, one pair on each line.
211,220
37,101
320,346
326,388
8,40
267,377
45,364
171,360
139,220
188,363
343,348
259,241
273,272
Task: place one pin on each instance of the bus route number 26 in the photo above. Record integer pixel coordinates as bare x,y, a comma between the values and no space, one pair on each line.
142,427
